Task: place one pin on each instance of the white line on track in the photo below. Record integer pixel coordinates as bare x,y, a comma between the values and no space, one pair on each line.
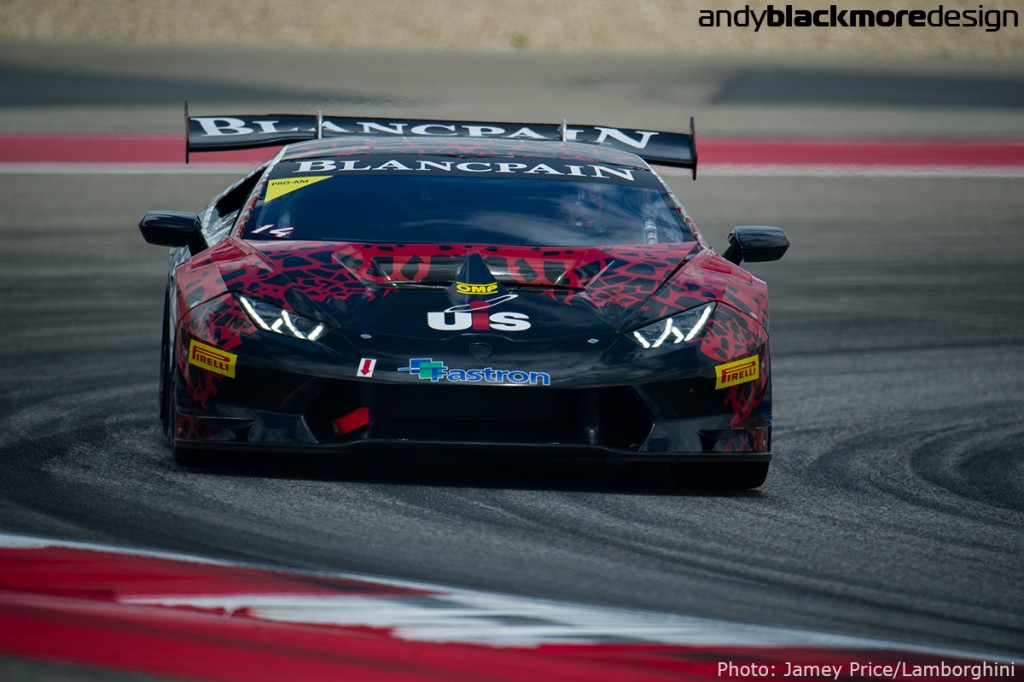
450,614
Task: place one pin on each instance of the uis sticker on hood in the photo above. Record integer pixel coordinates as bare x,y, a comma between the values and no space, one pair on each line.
737,372
277,188
212,359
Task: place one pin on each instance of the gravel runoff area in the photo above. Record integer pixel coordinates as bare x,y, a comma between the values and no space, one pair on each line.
618,26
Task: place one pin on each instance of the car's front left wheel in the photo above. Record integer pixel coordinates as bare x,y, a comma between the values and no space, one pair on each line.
719,475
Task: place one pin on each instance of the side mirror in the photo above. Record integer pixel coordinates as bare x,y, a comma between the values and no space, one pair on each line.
173,228
756,244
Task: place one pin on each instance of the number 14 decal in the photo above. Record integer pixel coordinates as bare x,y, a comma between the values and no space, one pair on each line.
280,232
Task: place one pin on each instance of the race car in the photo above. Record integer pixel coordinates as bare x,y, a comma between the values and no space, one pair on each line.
464,287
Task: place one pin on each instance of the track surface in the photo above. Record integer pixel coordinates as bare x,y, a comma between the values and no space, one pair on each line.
895,507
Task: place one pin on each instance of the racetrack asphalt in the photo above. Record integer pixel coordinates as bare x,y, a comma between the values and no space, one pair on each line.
895,506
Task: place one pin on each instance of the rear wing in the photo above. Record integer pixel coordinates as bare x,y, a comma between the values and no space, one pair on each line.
223,133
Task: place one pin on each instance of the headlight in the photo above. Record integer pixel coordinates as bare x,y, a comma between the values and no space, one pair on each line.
681,328
273,319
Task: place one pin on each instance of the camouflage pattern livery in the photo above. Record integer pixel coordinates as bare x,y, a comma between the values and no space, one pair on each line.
654,351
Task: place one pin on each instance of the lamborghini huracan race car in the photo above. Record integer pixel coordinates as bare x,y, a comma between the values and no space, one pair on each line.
464,286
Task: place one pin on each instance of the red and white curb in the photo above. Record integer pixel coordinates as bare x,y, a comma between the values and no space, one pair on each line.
164,153
175,615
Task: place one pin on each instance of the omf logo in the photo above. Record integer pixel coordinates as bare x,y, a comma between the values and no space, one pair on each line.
476,289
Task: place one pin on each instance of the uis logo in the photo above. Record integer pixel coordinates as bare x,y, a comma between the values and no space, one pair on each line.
478,321
474,315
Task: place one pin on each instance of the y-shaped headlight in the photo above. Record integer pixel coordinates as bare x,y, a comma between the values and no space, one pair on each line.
681,328
273,319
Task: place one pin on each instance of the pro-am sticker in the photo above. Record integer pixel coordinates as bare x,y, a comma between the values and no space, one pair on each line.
277,188
738,372
212,359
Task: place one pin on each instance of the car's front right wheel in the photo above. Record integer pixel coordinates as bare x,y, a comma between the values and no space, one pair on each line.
719,475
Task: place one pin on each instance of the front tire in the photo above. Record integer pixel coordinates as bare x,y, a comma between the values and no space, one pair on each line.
719,475
194,459
185,458
166,406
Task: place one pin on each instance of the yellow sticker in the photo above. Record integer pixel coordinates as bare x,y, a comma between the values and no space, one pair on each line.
464,288
277,188
213,359
737,372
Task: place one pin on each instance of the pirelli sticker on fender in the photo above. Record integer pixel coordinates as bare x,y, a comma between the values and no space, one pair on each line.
212,359
738,372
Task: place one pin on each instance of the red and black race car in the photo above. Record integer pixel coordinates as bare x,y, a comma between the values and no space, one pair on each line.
463,285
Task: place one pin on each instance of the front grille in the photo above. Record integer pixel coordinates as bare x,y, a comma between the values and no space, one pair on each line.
610,417
474,413
687,398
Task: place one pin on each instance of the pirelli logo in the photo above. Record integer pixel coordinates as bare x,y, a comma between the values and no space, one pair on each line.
211,359
738,372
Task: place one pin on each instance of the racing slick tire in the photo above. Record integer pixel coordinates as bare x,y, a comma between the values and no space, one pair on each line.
185,458
196,459
166,396
719,475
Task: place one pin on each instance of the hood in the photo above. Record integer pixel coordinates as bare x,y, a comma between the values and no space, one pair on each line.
423,290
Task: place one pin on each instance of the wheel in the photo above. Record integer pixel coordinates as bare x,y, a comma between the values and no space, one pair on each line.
185,458
719,475
166,396
169,396
168,412
197,459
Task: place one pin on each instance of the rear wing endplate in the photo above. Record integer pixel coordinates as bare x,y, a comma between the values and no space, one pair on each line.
223,133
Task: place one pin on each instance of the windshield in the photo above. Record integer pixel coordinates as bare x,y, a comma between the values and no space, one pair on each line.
408,208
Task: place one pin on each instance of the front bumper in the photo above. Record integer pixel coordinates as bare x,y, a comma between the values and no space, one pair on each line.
275,410
600,396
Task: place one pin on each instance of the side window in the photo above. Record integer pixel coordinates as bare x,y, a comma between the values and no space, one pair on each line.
220,215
